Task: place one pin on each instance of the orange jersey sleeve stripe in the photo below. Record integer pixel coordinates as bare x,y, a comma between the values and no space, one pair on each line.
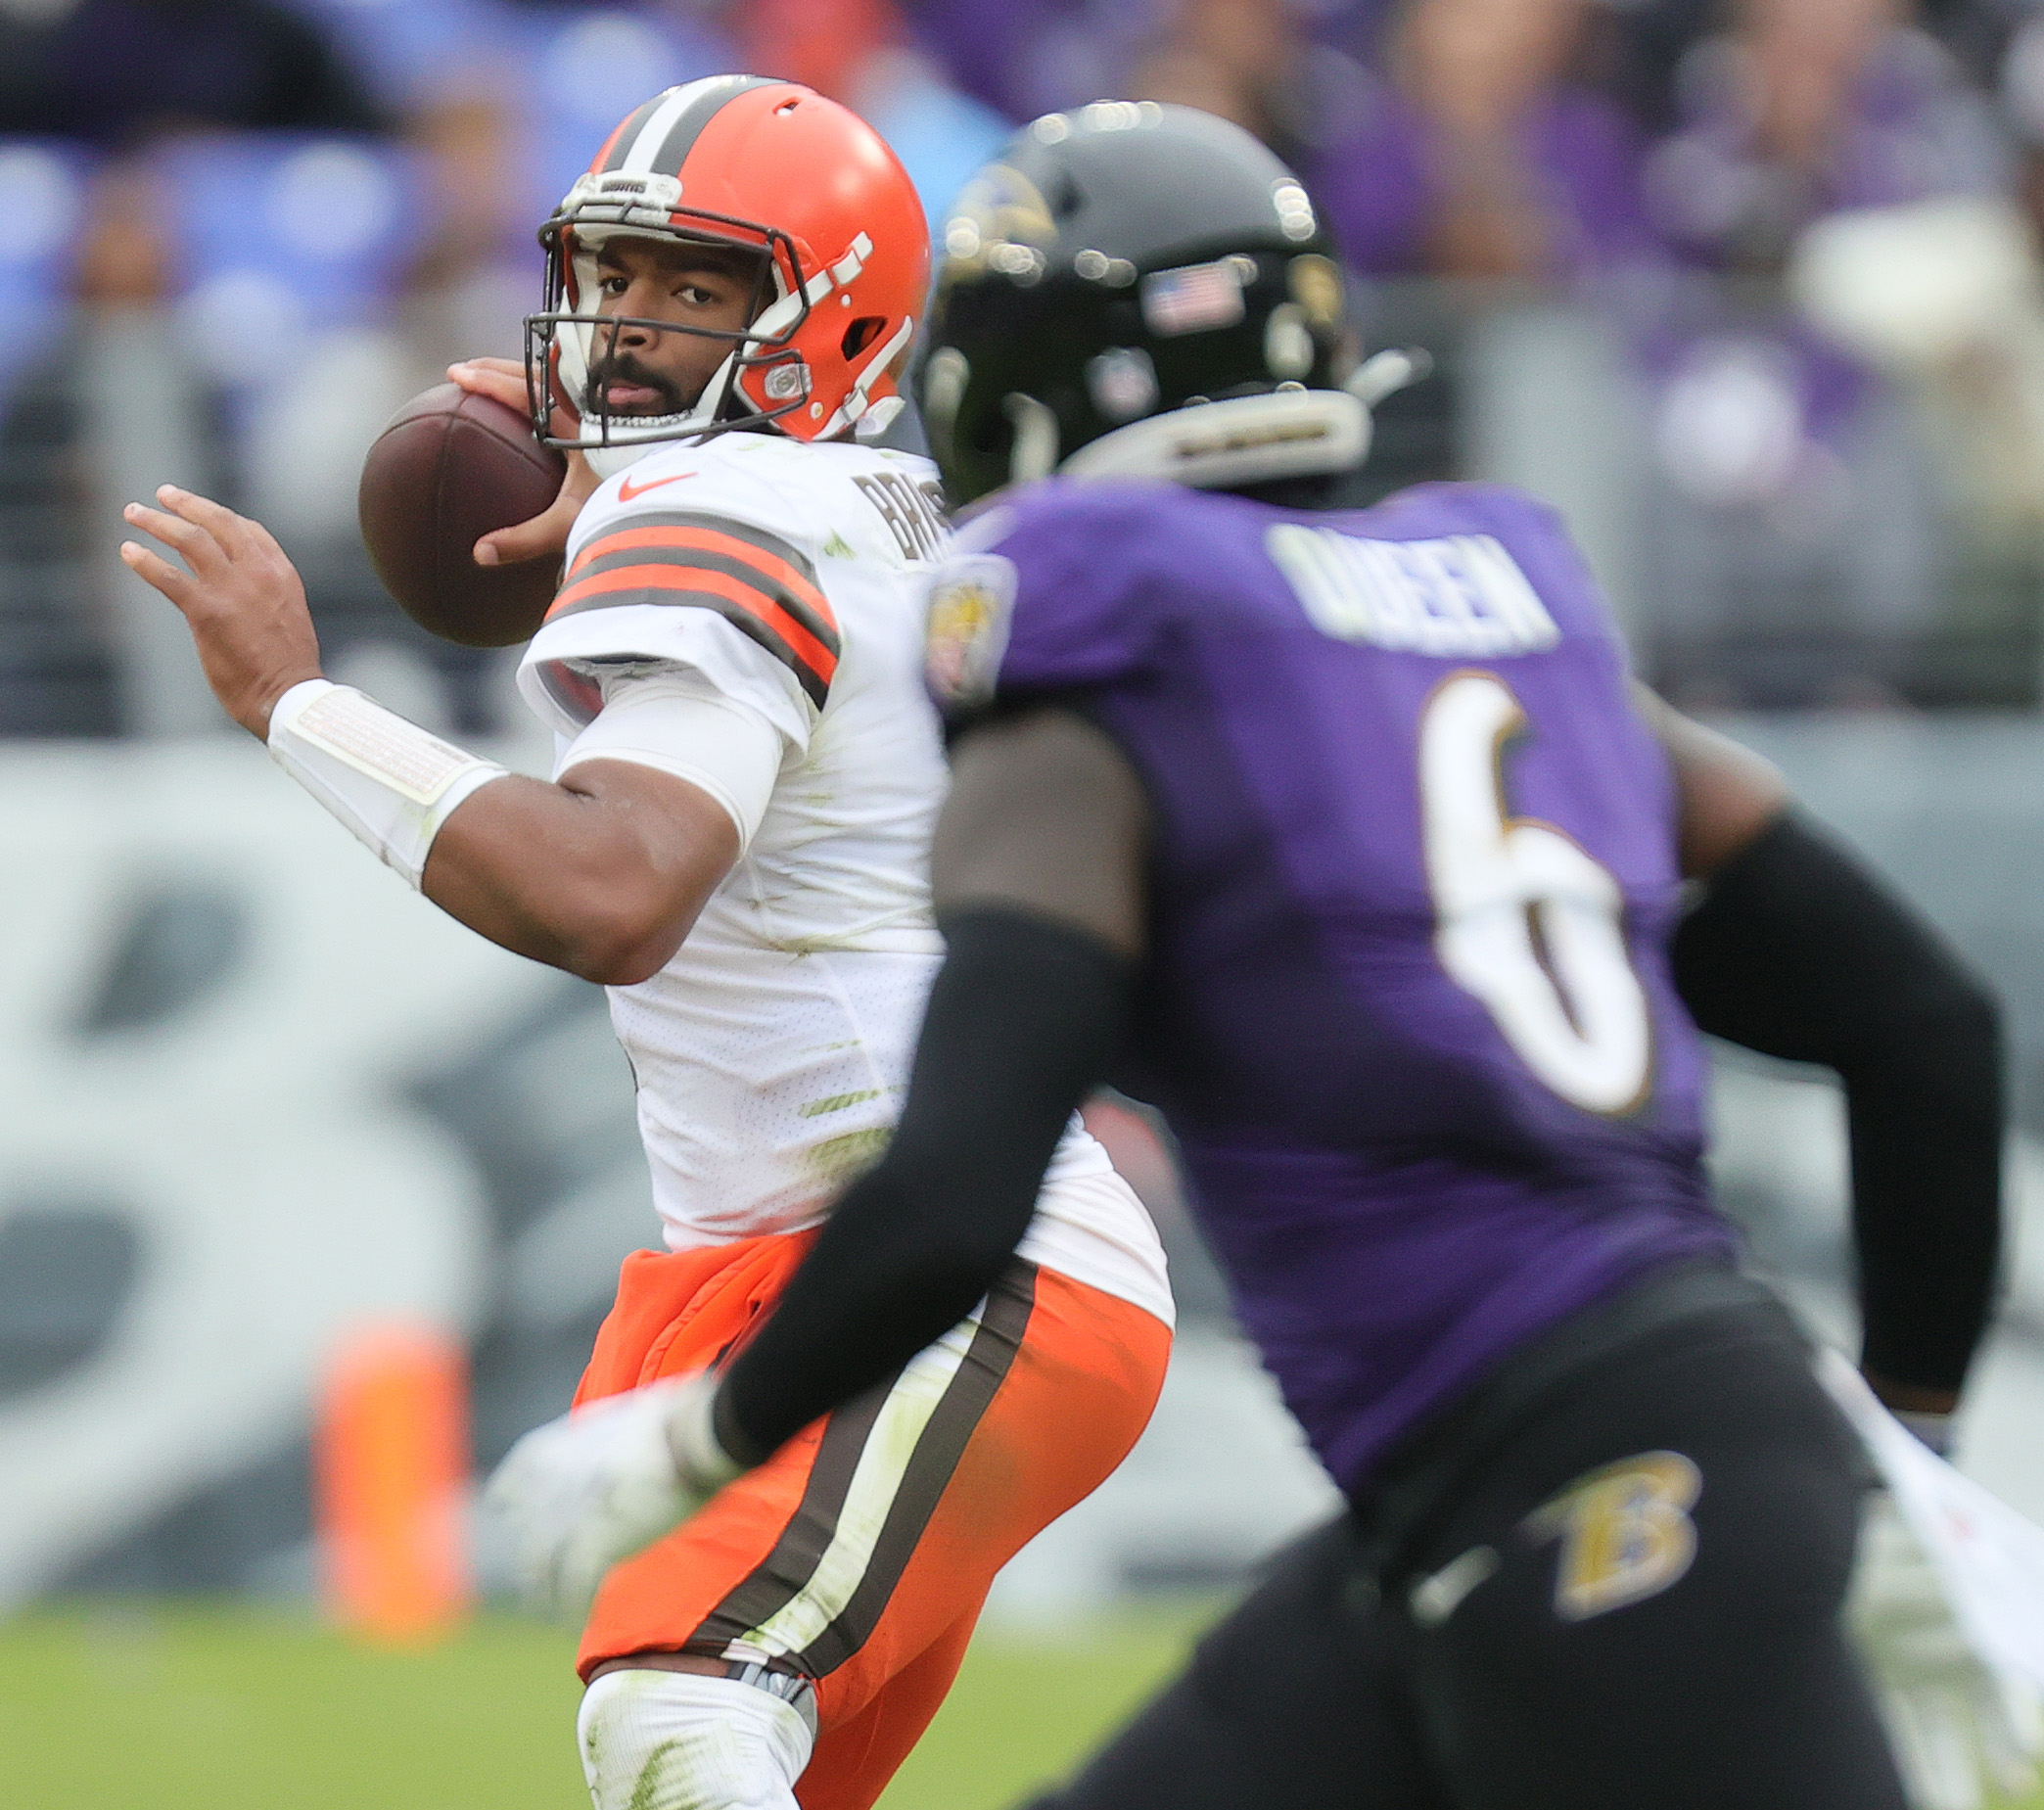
709,541
808,650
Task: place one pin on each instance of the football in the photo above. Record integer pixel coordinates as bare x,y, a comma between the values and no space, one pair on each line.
447,469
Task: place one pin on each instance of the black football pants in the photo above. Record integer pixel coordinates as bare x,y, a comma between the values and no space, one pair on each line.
1632,1604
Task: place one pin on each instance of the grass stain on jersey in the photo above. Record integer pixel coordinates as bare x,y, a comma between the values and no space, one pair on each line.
839,1159
837,547
837,1102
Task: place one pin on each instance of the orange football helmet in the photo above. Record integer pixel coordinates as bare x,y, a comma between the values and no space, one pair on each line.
770,167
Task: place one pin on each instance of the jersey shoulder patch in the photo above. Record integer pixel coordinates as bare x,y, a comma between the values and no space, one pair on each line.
1049,590
676,534
972,599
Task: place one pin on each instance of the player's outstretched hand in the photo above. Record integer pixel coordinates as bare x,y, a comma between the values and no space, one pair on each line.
1964,1732
1944,1611
545,535
241,597
598,1485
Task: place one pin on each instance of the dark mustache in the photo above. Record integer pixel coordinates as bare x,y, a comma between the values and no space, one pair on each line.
624,367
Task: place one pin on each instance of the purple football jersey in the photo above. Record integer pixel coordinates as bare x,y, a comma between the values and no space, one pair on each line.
1409,1008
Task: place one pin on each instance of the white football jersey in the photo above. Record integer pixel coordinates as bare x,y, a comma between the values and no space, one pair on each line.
789,580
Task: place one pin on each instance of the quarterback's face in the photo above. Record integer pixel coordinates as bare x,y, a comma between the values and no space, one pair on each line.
641,370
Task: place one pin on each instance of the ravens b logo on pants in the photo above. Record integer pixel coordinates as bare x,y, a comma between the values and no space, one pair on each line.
1625,1532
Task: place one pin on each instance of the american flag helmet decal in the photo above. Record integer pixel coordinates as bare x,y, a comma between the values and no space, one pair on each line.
1192,299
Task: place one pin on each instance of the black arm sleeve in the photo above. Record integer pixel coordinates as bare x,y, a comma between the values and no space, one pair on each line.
1799,951
1022,1024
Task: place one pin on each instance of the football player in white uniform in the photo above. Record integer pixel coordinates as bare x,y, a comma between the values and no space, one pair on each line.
735,841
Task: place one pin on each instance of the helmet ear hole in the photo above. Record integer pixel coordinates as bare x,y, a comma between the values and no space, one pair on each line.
861,333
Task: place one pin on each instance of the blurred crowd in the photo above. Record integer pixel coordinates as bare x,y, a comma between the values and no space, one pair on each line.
1757,278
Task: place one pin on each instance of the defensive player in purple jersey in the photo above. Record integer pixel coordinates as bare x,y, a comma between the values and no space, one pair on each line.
1345,837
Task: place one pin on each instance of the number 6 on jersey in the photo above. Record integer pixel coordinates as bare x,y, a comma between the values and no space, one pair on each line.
1526,921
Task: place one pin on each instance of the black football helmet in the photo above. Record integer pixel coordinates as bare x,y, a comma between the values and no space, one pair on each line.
1118,267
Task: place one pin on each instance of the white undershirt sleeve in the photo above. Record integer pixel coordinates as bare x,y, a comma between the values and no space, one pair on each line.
677,721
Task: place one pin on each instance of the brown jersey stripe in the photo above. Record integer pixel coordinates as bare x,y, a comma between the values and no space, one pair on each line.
736,603
786,1571
771,561
695,576
682,565
730,579
784,550
1004,1321
791,588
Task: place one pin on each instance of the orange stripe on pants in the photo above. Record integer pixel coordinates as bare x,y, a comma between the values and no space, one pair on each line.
1078,1391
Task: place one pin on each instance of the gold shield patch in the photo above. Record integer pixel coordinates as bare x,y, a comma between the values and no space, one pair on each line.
967,631
1625,1532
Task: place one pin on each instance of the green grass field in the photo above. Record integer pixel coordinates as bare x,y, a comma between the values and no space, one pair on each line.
217,1707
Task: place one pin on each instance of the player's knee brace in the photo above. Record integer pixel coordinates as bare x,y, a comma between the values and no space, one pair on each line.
673,1741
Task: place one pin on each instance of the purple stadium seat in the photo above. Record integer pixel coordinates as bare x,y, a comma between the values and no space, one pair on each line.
411,52
583,70
284,235
42,197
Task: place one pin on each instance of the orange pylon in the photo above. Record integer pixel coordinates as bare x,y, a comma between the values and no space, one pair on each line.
391,1470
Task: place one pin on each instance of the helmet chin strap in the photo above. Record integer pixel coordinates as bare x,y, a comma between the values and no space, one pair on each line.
1032,449
1246,440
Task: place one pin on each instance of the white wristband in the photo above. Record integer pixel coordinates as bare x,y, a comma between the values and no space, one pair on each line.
387,779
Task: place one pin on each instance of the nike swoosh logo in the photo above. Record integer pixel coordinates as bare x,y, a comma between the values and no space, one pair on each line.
628,493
